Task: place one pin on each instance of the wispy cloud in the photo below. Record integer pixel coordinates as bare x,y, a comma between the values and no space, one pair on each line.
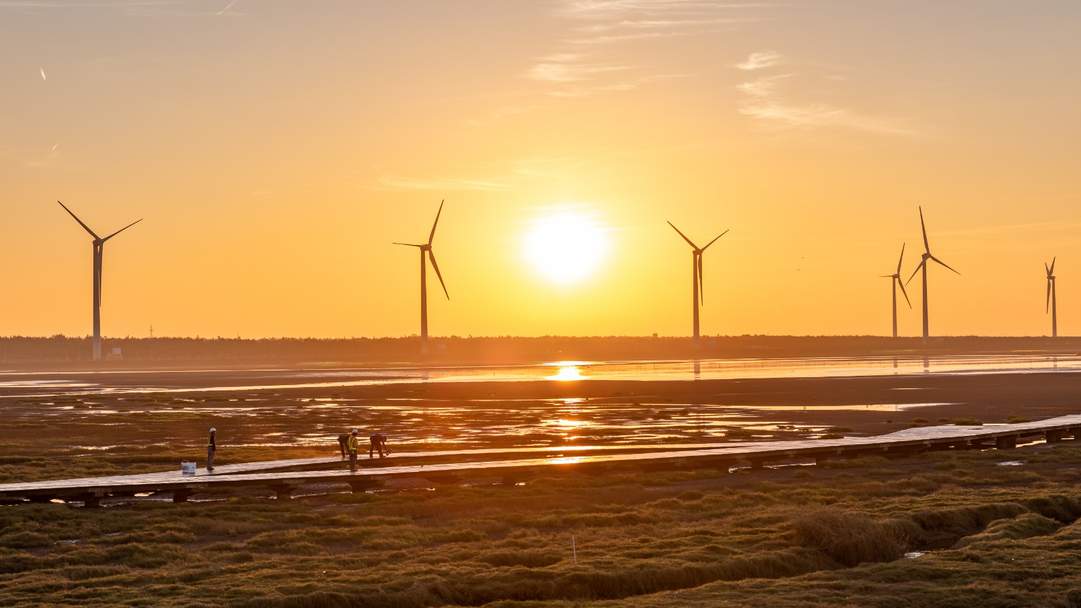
759,60
765,103
820,115
568,67
599,30
227,7
612,9
623,85
762,87
443,184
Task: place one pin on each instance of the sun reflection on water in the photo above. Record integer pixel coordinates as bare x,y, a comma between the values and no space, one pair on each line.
567,373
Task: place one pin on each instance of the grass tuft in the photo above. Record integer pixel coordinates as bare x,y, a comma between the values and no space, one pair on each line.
850,538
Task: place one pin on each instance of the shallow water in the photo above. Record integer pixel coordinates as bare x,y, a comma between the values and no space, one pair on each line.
115,382
294,421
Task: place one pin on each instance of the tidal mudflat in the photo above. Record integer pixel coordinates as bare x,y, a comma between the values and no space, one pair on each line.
830,535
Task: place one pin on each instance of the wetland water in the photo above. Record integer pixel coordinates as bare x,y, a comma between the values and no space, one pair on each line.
53,383
279,410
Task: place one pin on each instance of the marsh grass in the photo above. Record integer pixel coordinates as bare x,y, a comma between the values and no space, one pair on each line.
819,536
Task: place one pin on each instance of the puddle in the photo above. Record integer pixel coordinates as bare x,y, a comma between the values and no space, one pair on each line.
1010,463
915,554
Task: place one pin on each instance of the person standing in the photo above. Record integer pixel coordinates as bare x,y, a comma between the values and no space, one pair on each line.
211,447
354,447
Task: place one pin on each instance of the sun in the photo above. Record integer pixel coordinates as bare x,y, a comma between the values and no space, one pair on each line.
565,247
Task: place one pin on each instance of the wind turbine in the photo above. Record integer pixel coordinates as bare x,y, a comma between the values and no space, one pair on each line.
895,281
426,248
99,250
923,266
698,294
1052,299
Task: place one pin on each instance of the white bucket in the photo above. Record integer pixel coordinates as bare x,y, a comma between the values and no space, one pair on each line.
187,468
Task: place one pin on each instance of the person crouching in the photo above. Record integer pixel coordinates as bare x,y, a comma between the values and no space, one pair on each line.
378,443
343,444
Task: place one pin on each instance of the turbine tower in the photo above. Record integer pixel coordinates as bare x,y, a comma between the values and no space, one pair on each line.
923,266
426,249
698,288
1052,297
895,281
99,250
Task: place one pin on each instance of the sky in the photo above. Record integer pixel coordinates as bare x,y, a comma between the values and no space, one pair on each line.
277,148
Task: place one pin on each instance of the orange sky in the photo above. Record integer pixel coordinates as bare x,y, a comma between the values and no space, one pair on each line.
276,149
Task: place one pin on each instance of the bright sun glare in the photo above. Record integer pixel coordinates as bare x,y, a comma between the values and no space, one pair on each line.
566,247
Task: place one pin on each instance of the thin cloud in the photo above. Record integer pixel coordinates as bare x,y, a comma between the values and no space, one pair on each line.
570,72
597,25
759,60
765,103
626,85
227,7
630,36
819,115
43,76
443,184
762,87
653,24
608,9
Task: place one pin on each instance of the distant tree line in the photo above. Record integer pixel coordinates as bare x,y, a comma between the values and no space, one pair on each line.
506,349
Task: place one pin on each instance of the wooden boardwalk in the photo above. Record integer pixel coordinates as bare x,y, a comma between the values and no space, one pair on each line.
284,483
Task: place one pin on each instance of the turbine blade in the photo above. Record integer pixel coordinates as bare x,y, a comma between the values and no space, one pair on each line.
1047,307
407,244
918,266
900,259
121,230
701,282
1053,264
689,241
436,222
923,228
903,292
1047,270
944,264
435,266
85,227
715,239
